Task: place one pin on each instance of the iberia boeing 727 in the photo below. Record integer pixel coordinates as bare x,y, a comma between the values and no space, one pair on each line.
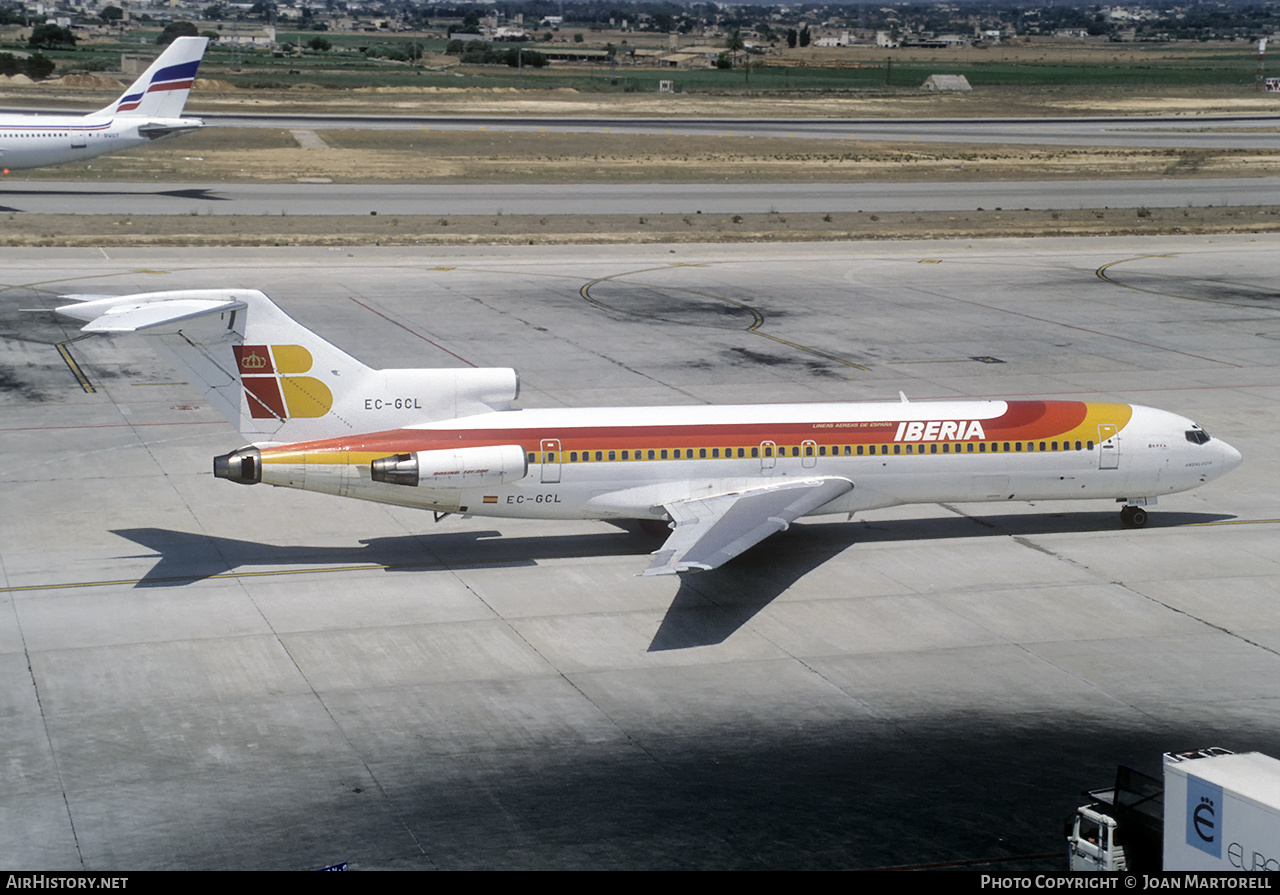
723,478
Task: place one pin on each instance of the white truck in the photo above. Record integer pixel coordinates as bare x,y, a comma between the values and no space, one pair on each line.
1215,811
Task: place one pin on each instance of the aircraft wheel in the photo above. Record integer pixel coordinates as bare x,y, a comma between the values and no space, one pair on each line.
1134,517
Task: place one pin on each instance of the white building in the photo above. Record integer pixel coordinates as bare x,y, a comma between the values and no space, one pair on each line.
842,41
947,82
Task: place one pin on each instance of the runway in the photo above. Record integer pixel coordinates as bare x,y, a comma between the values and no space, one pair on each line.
1172,132
50,197
204,675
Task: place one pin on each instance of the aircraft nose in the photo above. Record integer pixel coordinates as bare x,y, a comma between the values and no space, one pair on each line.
1230,456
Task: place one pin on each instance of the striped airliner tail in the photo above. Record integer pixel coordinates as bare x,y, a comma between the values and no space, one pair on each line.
162,90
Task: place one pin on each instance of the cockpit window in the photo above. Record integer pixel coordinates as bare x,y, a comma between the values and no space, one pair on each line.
1197,436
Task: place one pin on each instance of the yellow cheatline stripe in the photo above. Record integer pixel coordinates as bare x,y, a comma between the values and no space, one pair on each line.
324,458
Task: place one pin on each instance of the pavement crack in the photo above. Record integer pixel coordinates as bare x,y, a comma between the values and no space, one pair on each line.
1027,542
48,736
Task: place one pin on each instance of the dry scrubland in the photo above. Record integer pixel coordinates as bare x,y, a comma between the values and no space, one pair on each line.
353,156
218,155
169,230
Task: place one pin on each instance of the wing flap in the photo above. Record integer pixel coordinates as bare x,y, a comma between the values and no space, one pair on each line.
713,530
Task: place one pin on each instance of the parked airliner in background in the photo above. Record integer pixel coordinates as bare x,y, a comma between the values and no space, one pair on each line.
148,111
724,478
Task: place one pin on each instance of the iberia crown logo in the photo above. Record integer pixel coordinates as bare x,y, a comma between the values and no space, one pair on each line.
273,387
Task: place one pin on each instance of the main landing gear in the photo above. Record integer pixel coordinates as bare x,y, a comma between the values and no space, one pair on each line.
1133,517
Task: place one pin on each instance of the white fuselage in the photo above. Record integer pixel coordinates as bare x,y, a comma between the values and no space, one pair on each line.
631,462
37,141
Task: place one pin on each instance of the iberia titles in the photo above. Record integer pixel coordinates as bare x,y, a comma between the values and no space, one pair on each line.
940,430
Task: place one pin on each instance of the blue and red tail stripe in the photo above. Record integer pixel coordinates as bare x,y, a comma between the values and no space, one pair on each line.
173,77
130,102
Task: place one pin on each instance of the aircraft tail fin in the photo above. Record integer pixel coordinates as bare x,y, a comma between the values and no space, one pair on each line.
161,91
275,380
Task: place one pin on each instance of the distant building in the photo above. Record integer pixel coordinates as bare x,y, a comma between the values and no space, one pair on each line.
683,60
946,82
842,41
263,37
939,42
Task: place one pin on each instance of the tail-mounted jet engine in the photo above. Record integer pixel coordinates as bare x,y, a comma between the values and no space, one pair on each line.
461,468
243,466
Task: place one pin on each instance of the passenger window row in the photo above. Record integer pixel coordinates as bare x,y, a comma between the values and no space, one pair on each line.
810,450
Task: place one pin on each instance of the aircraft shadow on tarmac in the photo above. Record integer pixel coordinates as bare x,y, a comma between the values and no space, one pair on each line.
708,606
202,194
185,558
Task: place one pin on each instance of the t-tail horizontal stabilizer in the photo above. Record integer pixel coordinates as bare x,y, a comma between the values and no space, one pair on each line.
277,381
713,530
120,315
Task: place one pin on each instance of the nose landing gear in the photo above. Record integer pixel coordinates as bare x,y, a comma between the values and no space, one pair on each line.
1133,517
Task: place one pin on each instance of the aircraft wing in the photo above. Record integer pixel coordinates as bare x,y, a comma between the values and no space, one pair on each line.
713,530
